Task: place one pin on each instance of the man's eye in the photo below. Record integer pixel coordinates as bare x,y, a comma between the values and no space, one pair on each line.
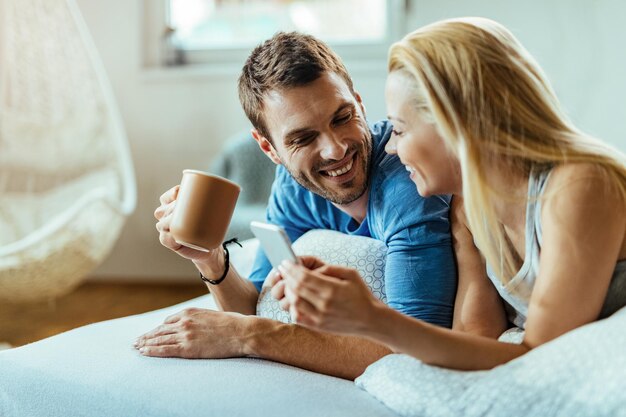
343,119
396,132
303,140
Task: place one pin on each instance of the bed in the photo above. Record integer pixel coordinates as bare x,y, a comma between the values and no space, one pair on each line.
94,370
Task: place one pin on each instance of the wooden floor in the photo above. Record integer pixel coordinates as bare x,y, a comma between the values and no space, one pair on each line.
92,302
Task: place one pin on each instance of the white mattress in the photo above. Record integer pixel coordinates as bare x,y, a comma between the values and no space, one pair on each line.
94,371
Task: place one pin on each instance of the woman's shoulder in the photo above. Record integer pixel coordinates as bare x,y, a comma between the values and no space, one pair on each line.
582,188
573,173
582,181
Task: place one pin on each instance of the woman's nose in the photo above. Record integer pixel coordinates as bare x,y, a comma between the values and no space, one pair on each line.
392,145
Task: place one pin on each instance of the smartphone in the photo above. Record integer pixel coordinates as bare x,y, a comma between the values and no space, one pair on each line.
275,242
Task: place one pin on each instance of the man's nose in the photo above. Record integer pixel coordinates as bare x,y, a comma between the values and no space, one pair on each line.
332,147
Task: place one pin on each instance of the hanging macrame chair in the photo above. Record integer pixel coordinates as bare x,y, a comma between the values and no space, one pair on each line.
66,175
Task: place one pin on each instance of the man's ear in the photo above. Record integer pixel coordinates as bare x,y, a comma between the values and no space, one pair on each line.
266,146
360,101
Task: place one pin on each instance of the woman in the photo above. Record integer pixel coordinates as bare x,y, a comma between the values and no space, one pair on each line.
544,203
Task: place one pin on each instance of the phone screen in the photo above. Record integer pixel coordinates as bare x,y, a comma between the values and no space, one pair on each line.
275,242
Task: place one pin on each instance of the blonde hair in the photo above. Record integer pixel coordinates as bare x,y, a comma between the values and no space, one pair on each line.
492,102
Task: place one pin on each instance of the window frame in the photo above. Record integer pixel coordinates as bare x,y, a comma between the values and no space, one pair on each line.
156,18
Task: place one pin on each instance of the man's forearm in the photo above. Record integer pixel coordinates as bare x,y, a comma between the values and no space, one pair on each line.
340,356
234,293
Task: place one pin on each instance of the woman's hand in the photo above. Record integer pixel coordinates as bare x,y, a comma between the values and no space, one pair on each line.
328,297
275,280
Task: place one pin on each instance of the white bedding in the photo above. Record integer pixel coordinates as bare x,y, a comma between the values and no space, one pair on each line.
580,374
94,371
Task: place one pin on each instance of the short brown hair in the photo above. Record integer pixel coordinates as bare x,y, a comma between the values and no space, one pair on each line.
286,60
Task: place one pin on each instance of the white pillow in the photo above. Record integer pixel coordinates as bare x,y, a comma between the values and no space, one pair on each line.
579,374
365,254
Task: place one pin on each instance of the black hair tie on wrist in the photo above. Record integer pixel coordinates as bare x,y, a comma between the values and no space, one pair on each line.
226,263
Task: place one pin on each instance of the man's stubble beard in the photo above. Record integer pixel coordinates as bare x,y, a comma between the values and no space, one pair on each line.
364,157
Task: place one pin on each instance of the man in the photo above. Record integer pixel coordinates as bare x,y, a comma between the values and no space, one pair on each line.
332,173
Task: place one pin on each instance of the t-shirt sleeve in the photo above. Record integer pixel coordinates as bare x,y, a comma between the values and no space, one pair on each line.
420,272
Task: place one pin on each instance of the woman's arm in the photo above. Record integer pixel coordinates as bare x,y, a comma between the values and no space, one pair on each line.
583,232
478,308
584,229
335,299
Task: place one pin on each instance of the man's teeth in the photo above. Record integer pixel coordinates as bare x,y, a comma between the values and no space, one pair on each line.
341,171
408,168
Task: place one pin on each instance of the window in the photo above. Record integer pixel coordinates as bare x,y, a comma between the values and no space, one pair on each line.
224,31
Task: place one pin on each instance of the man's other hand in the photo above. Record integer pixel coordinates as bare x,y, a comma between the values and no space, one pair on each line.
196,333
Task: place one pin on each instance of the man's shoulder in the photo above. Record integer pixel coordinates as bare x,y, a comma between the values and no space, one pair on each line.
398,207
381,132
389,177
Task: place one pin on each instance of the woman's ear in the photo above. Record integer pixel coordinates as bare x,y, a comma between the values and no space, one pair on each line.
266,146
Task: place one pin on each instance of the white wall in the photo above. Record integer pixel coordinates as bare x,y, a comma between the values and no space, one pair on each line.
579,44
176,120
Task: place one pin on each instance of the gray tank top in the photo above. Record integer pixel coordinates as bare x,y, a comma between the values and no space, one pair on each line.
516,293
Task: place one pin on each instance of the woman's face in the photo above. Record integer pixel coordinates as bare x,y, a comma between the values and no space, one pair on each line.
432,167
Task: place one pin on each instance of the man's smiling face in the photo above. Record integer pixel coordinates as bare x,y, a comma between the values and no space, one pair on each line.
319,133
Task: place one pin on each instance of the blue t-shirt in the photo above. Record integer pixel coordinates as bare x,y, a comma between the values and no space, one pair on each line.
420,272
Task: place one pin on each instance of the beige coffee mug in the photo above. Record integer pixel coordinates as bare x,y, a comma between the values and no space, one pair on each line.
204,207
